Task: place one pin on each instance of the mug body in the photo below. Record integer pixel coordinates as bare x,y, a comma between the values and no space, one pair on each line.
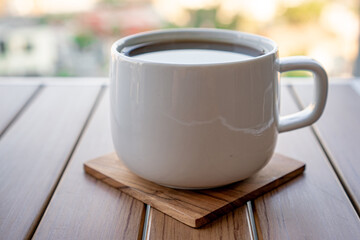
195,126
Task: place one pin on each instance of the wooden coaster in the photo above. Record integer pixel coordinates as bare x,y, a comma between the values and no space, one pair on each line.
194,208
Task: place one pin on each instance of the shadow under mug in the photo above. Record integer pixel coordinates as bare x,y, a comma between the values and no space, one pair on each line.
196,126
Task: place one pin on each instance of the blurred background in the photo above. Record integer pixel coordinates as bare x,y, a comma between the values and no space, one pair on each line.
73,37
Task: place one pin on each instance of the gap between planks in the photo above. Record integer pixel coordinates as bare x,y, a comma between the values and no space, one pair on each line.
37,220
327,153
23,108
251,220
146,223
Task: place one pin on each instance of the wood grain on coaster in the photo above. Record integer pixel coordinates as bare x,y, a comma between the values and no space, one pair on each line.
194,207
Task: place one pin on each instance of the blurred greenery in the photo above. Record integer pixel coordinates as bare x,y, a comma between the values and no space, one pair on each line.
64,73
60,18
84,40
305,12
296,74
205,18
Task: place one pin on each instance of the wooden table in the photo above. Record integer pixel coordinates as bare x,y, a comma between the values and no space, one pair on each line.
49,127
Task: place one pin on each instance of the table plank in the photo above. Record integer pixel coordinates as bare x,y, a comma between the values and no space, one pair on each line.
12,100
34,151
339,131
84,208
313,206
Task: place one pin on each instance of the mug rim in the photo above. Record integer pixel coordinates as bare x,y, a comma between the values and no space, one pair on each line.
260,41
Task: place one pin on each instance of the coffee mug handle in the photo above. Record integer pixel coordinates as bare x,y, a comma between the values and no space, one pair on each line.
314,110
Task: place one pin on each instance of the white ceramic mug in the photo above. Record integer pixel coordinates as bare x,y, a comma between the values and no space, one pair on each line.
203,125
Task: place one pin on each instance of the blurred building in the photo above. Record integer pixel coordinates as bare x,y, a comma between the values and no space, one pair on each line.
31,48
73,38
67,45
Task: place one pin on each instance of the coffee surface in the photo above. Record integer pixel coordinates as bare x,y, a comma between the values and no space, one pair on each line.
190,52
192,56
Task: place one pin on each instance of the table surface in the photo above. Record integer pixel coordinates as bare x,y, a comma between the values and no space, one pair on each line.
50,127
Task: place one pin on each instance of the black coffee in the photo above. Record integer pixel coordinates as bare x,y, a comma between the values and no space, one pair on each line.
190,52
